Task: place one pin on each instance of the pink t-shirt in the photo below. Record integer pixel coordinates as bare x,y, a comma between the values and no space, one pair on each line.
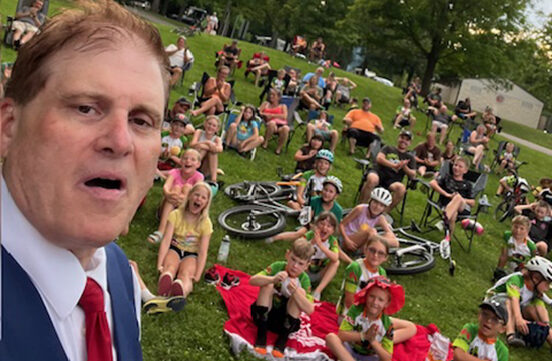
179,181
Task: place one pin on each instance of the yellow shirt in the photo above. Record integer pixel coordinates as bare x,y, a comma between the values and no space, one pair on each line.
186,235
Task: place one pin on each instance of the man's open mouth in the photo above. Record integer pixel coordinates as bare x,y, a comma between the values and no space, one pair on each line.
104,183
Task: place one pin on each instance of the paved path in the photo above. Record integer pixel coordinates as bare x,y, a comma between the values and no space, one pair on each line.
528,144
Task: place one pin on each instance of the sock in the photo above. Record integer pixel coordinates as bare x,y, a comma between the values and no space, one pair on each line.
146,295
260,318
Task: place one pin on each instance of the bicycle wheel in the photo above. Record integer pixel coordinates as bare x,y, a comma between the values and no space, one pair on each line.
249,191
408,262
252,221
503,210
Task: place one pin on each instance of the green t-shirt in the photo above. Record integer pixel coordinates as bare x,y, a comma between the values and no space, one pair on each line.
518,253
469,341
319,260
274,269
316,207
355,320
514,287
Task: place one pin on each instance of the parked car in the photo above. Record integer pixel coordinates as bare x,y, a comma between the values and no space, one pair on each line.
144,5
383,81
193,16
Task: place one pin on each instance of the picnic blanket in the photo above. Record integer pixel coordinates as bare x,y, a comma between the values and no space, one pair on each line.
308,343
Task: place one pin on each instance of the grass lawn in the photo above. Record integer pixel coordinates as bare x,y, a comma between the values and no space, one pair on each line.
533,135
432,297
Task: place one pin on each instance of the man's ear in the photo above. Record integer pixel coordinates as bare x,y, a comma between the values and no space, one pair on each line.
8,124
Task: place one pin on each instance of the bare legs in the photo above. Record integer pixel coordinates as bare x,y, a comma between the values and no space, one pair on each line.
282,131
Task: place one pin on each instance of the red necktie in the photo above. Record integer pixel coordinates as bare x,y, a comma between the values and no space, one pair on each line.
98,337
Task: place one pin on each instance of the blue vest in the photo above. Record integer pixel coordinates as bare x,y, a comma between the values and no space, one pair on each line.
27,331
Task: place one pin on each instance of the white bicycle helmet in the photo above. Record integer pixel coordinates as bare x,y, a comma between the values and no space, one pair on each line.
335,181
523,185
381,195
541,265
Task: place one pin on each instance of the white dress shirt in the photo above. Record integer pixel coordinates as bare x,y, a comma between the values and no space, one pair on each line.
58,276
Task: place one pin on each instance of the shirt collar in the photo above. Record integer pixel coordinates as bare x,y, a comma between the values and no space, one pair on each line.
55,272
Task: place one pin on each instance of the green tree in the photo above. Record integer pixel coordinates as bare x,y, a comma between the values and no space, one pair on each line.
435,29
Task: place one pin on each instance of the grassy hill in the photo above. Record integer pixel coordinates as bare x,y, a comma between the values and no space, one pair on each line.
432,297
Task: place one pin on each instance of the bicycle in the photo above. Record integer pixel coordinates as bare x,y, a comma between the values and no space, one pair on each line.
415,254
263,215
517,196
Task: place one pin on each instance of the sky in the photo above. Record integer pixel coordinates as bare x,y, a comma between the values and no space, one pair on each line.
543,5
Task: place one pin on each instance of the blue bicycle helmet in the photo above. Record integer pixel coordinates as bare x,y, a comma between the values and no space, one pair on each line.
325,154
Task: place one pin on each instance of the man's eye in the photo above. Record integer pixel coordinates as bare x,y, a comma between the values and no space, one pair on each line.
85,109
141,122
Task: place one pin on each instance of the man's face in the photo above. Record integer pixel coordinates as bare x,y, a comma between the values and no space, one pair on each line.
180,108
366,106
82,154
431,141
403,142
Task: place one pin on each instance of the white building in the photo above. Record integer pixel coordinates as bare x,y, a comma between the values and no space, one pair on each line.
513,104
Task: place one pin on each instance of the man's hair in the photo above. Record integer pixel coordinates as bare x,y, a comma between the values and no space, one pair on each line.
521,220
303,249
463,160
94,27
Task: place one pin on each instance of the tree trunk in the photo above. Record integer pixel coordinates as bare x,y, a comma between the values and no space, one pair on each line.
431,62
155,5
226,18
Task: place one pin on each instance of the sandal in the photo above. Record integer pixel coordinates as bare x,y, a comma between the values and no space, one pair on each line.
163,304
155,237
514,340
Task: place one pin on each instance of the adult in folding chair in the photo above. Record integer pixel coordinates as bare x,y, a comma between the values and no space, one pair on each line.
27,22
180,59
393,163
362,126
441,121
478,143
276,118
217,92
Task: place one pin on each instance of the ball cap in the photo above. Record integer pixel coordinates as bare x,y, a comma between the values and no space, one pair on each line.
496,304
396,292
406,133
184,101
367,100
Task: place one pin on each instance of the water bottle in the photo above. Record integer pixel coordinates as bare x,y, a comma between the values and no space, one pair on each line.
224,249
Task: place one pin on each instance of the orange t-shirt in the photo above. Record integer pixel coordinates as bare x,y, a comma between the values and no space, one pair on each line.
362,120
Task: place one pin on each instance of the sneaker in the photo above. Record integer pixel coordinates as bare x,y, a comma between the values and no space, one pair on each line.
211,276
177,289
164,304
260,350
277,354
229,281
444,248
165,284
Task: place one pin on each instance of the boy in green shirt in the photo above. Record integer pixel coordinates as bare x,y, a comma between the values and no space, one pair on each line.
366,333
518,248
524,291
479,341
283,295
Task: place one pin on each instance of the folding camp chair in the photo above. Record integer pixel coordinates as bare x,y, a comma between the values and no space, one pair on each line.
232,117
498,152
478,182
8,27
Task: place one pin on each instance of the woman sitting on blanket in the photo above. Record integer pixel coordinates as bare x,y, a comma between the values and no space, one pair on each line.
367,332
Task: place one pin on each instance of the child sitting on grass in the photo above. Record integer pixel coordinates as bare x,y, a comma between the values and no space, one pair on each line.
183,251
359,272
283,295
325,261
306,155
175,190
359,225
172,145
312,181
209,145
367,332
541,225
479,341
517,250
507,159
524,291
243,133
326,202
